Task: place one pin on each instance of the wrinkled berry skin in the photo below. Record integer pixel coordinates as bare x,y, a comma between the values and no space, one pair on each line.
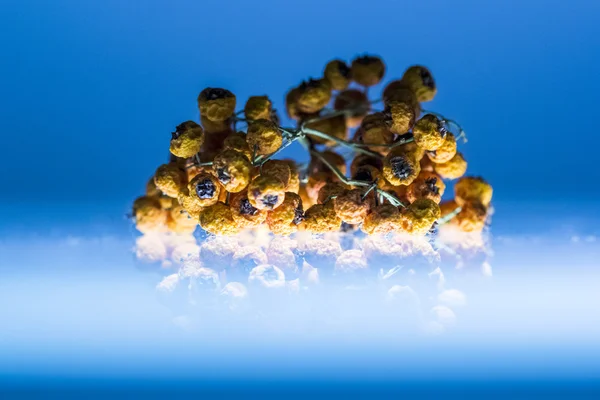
205,188
266,192
421,82
216,104
233,170
452,169
400,167
217,219
471,189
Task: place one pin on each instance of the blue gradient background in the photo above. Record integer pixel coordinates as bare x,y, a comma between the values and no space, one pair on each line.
89,91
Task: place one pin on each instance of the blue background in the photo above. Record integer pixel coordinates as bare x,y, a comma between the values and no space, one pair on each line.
90,91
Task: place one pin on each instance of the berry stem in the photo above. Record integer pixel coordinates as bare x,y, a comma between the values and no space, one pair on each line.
447,218
461,131
353,182
355,146
293,136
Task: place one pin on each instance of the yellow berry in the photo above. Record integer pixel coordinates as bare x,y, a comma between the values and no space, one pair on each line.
258,107
291,103
421,82
187,139
419,217
284,220
330,190
375,129
151,189
180,221
215,126
337,74
279,169
237,141
190,203
472,217
471,189
367,70
264,136
205,188
217,219
166,202
266,192
445,152
233,170
384,218
430,132
313,96
294,183
244,214
216,104
428,185
321,218
350,206
402,116
452,169
149,215
400,167
170,179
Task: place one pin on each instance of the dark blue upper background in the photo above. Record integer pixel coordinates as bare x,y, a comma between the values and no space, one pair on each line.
90,90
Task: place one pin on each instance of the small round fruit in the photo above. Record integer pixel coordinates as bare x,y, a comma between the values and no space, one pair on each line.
244,214
284,220
258,107
400,167
452,169
350,206
313,96
428,185
264,136
471,189
419,217
217,219
384,218
421,82
430,132
216,104
206,188
337,74
187,139
170,179
266,192
445,152
367,70
321,218
233,170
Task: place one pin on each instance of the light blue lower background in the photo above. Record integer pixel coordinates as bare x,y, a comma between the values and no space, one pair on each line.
78,315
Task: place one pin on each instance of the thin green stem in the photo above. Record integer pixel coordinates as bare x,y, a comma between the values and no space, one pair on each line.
199,163
261,160
447,218
389,197
354,146
461,131
369,190
388,145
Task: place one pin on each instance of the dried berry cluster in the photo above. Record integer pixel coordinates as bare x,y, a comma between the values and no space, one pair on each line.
379,171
